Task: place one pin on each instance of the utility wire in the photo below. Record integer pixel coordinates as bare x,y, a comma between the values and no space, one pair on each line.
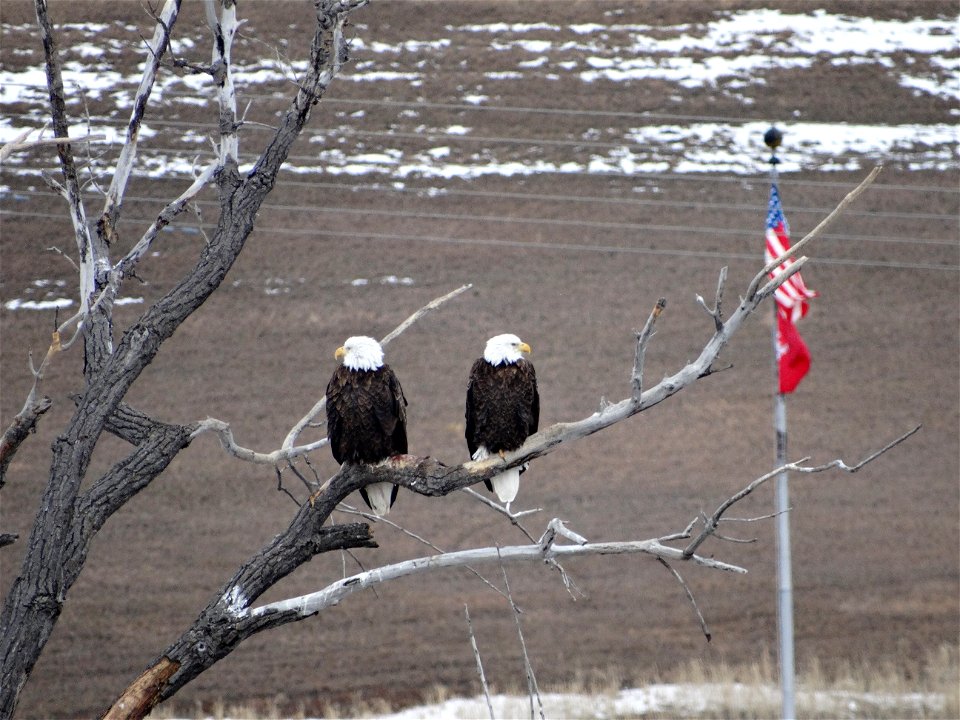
535,244
552,221
692,205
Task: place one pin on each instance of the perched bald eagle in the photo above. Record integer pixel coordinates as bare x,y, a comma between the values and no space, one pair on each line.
503,407
366,414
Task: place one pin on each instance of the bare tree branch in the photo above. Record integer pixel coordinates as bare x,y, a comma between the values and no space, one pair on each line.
710,524
643,337
476,655
156,48
513,517
425,310
717,312
686,589
23,424
533,689
274,457
88,251
224,29
788,267
21,143
26,420
126,265
306,605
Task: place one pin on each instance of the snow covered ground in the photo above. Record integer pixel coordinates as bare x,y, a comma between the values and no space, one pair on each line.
680,700
727,55
686,700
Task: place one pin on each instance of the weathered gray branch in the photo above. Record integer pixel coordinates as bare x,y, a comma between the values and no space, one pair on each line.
157,47
19,430
643,337
710,524
21,142
476,656
34,406
546,548
126,264
312,603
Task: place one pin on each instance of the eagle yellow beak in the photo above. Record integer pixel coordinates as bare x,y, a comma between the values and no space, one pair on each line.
524,348
341,351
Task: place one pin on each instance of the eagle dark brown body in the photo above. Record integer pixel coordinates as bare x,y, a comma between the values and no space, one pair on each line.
503,406
366,417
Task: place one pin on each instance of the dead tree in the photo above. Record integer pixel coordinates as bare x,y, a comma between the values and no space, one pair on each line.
69,517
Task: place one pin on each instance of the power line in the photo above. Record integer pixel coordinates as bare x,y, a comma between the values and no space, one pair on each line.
540,245
685,229
692,205
559,222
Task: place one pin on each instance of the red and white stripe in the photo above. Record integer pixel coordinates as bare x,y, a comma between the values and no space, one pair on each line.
793,295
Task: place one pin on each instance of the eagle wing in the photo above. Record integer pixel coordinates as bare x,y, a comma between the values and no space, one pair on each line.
502,406
534,421
335,430
470,432
391,411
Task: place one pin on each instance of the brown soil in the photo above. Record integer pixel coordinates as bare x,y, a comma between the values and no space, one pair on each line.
875,553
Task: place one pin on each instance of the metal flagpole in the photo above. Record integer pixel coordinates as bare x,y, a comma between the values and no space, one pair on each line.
772,139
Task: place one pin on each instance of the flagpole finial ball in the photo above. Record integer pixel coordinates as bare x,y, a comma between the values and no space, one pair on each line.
772,138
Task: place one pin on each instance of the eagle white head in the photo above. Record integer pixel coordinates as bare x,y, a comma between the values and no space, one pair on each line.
504,349
360,353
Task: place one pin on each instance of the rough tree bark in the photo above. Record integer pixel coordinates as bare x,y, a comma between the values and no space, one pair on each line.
68,519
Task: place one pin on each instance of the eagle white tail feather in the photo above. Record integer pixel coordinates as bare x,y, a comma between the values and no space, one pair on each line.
506,485
379,496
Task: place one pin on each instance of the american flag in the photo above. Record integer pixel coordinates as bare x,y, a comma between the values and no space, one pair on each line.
793,357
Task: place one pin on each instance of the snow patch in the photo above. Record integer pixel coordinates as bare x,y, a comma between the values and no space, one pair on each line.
237,603
19,304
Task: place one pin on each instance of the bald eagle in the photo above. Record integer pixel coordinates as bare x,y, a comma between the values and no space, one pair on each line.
503,407
366,414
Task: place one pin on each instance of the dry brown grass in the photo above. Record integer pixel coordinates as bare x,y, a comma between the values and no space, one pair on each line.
926,688
881,691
